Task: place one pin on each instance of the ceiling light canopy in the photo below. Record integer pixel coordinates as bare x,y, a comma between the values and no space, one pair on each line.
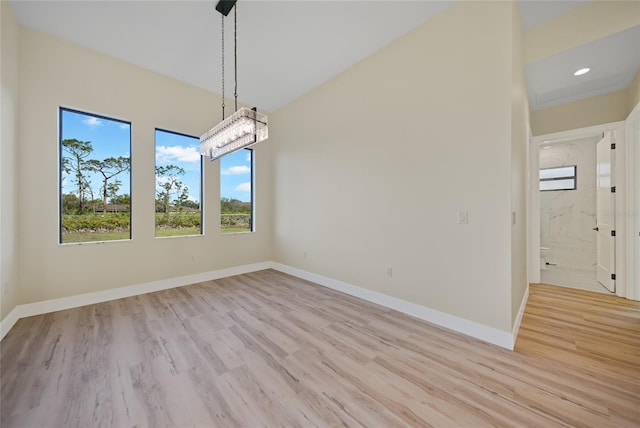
225,6
582,71
246,126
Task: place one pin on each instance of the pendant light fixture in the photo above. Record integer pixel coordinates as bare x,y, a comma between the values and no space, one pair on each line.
244,127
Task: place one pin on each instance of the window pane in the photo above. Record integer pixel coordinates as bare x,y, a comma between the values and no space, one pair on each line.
560,172
236,192
178,184
95,178
568,184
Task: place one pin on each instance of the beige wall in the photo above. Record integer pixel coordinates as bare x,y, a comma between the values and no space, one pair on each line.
582,25
8,160
633,93
519,150
606,108
355,192
55,73
372,167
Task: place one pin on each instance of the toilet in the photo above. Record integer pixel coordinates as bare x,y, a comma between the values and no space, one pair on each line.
544,253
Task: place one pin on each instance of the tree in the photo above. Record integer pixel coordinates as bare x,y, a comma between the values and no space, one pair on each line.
191,204
74,162
121,199
232,206
112,191
167,179
183,198
69,203
108,168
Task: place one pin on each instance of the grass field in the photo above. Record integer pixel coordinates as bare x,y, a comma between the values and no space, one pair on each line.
94,236
74,237
234,229
99,227
185,231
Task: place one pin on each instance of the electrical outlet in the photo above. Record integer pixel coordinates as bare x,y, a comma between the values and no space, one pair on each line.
463,217
389,272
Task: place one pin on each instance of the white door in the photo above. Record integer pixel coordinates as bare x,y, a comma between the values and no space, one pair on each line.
605,218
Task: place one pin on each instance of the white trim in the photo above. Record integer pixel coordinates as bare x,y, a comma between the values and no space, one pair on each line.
523,305
533,219
632,212
620,178
10,320
46,306
483,332
575,134
470,328
619,165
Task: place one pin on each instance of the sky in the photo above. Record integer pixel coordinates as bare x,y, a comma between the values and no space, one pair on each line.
235,175
109,138
184,151
112,138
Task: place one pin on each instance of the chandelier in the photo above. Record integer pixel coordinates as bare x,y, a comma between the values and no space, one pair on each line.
244,127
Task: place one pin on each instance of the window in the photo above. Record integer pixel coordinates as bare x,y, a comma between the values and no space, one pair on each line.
178,184
95,178
559,178
236,192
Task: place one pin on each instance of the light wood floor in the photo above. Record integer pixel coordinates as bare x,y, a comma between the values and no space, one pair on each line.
268,349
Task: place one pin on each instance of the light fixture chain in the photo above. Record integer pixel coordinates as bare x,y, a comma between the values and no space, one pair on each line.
235,54
222,66
234,132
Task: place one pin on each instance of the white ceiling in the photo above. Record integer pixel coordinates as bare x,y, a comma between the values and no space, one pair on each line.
614,61
286,48
536,12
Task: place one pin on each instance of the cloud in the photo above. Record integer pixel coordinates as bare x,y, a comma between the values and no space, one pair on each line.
248,156
244,187
177,153
92,122
124,126
236,170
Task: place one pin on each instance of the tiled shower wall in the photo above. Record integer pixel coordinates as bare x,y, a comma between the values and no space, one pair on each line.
567,217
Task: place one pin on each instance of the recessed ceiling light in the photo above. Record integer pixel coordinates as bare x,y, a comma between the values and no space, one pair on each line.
546,147
582,71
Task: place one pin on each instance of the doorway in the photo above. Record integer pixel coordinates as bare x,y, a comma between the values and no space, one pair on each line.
571,172
563,238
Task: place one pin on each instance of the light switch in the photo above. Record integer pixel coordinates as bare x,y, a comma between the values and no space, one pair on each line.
463,217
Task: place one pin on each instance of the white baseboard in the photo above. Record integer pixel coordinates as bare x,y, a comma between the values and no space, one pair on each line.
9,321
523,305
46,306
485,333
479,331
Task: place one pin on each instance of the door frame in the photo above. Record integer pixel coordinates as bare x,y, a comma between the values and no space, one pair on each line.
620,181
605,224
633,203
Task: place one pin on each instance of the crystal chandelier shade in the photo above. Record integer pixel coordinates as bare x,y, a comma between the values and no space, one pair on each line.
242,129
